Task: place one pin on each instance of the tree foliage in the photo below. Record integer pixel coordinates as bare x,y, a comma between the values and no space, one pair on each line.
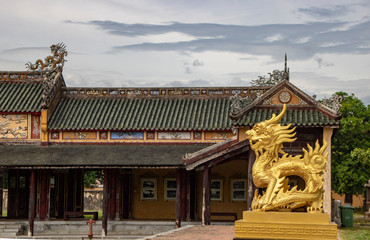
90,177
351,148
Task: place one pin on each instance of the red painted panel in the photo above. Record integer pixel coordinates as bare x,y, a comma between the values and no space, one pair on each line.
35,127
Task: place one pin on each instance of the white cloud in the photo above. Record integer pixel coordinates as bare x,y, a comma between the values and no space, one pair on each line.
164,42
274,38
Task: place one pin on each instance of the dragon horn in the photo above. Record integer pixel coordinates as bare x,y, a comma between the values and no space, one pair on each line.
276,119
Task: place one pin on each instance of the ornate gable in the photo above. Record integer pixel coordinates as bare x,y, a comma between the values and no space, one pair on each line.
302,109
286,93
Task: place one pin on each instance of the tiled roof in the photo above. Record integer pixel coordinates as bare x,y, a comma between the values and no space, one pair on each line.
75,155
20,96
302,117
141,114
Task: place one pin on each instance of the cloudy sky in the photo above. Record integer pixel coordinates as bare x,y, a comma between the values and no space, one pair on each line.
126,43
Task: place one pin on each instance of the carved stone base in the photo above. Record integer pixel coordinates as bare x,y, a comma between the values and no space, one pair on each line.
285,225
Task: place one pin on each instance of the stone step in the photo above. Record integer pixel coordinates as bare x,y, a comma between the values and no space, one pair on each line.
8,234
10,230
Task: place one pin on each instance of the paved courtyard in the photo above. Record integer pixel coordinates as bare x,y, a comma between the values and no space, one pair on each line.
200,233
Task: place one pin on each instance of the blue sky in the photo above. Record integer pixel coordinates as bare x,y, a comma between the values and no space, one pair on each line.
194,43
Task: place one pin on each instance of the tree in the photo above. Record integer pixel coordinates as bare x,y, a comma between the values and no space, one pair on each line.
351,148
90,177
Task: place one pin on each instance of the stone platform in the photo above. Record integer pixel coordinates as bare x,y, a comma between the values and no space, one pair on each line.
285,225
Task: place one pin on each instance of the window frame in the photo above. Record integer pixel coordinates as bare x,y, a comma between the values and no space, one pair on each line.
142,189
234,190
220,189
166,189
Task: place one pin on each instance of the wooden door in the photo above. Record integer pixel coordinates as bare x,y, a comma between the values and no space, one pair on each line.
18,193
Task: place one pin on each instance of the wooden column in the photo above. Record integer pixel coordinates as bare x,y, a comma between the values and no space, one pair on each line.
105,202
188,197
327,134
118,190
183,195
112,194
32,204
1,190
43,194
178,198
206,209
251,187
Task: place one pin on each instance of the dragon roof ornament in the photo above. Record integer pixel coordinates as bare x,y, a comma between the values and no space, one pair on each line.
334,102
275,77
53,66
56,61
273,167
238,103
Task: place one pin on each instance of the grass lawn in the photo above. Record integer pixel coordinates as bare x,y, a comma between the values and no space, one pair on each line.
100,214
360,230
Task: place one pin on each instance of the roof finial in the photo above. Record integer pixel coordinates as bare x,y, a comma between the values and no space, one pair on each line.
286,69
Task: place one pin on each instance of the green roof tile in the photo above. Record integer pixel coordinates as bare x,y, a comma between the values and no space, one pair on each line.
140,114
167,114
303,117
20,97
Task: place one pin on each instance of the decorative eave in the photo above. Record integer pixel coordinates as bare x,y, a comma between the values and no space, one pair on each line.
95,156
215,153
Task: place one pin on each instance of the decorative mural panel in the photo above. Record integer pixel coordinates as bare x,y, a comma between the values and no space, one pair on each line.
35,127
55,135
150,135
13,126
173,135
218,135
127,135
79,135
103,135
197,135
215,92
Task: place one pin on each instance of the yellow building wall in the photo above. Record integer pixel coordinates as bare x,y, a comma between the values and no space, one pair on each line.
242,133
153,209
235,169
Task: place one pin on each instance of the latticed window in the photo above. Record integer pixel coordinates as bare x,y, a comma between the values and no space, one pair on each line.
148,189
238,189
216,190
170,189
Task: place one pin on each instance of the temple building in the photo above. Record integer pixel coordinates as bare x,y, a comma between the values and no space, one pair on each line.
176,154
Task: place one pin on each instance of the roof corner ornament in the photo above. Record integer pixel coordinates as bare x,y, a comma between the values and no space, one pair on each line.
56,61
286,69
238,103
275,77
334,102
53,67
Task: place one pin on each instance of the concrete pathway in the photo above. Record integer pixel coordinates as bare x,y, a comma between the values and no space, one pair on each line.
219,232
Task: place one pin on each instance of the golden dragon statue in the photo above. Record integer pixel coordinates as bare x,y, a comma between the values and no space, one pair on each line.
51,62
273,167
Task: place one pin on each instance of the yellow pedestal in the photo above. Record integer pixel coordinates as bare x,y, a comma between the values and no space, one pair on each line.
285,225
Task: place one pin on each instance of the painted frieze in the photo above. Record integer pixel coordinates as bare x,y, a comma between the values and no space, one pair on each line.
218,135
35,127
79,135
127,135
197,135
150,135
13,126
54,135
173,136
103,135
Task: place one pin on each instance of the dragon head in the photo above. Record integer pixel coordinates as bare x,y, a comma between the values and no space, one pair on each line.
270,134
